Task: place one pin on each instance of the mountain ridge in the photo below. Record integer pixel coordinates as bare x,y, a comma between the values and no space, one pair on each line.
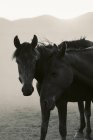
49,16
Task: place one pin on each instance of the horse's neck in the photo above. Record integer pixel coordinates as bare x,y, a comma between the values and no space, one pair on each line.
81,64
79,44
41,67
80,58
39,71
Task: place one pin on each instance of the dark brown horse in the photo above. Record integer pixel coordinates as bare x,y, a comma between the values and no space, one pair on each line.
35,62
70,79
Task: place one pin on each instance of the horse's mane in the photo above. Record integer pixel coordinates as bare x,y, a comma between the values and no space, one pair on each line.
46,47
80,44
43,48
47,44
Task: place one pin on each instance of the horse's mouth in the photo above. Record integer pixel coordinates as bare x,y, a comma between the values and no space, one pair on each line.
27,91
27,94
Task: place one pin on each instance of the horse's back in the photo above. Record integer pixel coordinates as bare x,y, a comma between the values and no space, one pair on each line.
82,65
82,85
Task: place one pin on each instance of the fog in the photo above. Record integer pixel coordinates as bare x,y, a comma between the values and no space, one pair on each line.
46,28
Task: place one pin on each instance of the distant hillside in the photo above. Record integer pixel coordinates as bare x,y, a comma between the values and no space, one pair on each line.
50,27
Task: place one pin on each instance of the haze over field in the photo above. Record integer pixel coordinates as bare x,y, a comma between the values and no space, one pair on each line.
46,28
20,116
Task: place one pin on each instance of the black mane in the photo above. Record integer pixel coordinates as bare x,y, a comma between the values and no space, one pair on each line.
46,49
76,44
43,48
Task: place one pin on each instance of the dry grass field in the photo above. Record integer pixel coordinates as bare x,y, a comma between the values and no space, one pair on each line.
23,123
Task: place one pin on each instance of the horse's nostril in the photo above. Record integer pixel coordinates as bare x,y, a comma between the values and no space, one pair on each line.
22,89
32,89
27,90
20,80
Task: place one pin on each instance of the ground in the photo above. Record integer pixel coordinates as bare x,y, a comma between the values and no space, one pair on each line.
23,123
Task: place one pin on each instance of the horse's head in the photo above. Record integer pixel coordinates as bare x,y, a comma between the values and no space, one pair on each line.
26,56
59,78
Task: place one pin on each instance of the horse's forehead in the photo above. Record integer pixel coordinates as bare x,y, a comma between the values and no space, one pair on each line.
25,44
25,54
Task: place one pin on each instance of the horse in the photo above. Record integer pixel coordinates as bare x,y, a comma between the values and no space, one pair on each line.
82,43
33,63
70,79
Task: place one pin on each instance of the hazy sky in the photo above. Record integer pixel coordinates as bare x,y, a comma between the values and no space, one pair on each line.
15,9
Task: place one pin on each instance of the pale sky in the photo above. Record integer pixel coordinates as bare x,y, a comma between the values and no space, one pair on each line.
16,9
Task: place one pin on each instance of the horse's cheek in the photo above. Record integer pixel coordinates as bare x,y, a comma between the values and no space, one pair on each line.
66,80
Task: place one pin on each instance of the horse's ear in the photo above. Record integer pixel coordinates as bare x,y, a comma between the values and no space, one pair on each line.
16,42
62,51
34,41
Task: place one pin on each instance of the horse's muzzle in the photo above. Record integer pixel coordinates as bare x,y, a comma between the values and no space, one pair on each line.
27,91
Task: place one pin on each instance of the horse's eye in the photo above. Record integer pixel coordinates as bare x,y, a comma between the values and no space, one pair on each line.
20,71
17,61
20,80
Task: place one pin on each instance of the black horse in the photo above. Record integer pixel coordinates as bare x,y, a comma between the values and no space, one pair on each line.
72,82
34,62
76,44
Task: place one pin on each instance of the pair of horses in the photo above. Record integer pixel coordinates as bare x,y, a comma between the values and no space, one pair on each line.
64,73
